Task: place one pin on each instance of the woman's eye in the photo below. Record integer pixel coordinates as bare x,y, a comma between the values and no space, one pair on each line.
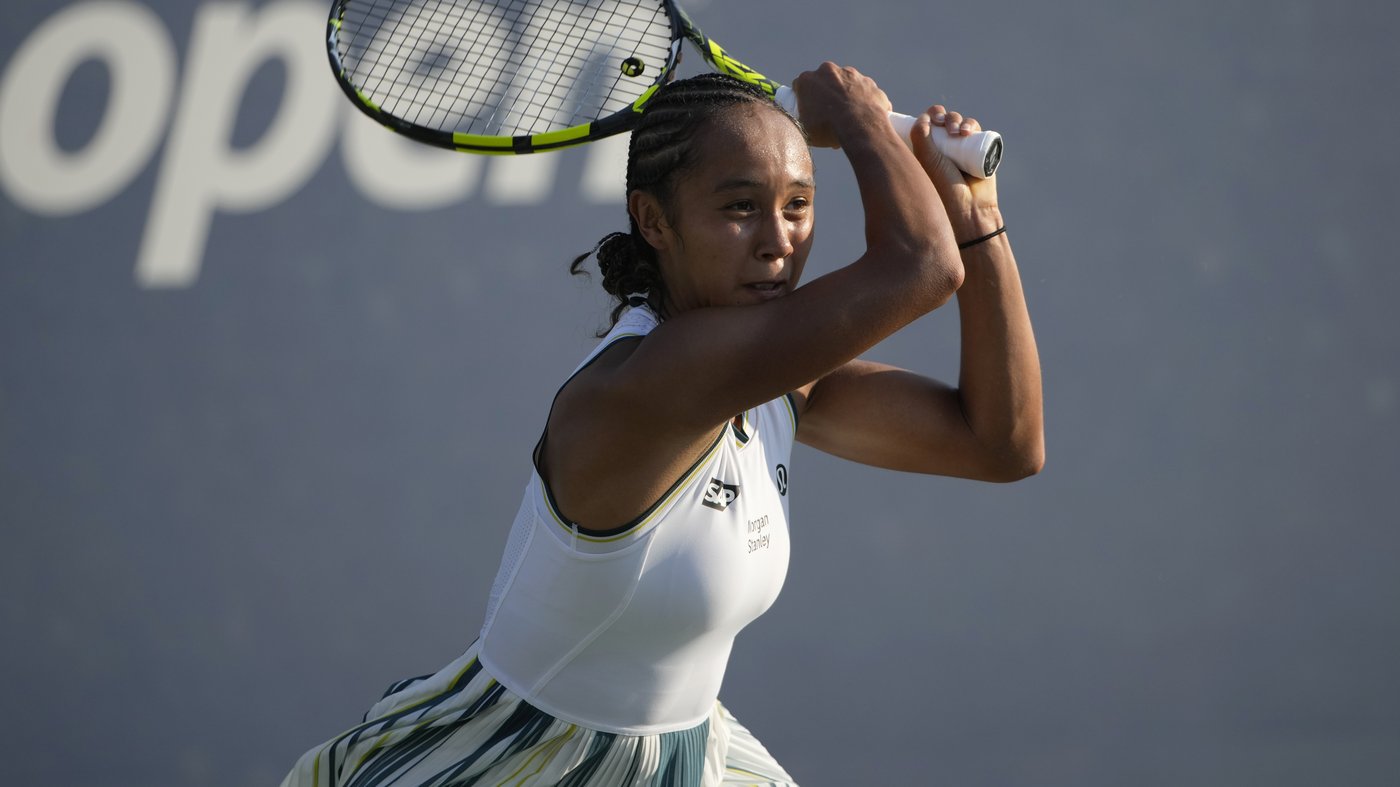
743,206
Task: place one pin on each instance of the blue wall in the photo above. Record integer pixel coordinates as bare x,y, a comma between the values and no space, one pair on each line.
264,423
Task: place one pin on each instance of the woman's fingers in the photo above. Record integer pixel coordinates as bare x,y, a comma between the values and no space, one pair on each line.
953,122
834,101
961,194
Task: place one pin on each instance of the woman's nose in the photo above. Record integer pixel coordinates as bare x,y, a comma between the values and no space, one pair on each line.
776,238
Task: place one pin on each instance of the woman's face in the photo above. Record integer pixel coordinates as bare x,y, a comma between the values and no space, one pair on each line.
740,224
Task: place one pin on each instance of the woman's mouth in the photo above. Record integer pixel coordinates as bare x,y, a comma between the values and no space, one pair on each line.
767,290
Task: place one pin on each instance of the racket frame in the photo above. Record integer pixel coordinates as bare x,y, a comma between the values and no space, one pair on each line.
986,158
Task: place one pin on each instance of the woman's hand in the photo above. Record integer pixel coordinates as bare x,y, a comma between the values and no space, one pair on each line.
971,202
836,103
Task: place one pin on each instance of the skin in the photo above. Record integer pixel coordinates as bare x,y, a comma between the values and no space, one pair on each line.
740,332
744,218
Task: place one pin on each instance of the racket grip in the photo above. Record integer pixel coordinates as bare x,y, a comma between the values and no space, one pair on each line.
978,154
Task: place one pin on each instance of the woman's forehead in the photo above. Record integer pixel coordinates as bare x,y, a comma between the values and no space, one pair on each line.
754,141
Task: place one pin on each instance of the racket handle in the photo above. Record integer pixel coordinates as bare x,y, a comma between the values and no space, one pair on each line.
977,154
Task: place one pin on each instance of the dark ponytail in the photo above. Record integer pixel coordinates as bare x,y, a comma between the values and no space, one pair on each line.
663,146
630,271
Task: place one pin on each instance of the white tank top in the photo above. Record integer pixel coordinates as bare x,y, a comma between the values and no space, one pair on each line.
629,630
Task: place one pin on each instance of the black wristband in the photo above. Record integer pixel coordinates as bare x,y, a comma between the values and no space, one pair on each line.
982,239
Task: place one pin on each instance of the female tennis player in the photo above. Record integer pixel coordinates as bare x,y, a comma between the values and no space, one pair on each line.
655,525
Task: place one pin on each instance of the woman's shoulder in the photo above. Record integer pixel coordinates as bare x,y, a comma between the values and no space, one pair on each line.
597,375
635,321
632,324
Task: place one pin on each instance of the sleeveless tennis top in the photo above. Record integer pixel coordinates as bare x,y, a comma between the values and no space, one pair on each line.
629,630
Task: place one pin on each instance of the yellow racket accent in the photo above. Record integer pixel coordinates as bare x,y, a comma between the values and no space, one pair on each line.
732,67
511,146
483,144
568,136
366,100
644,98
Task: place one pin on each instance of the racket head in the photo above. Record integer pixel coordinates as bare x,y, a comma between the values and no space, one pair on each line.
505,77
720,60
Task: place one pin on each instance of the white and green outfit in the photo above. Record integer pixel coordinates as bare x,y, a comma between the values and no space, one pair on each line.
602,653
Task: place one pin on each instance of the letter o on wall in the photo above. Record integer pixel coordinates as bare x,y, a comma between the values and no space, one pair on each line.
134,46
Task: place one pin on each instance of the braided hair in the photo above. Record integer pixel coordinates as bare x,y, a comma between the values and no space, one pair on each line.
663,146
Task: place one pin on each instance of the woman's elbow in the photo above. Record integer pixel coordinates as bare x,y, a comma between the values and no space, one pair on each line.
948,274
1030,465
1017,462
940,276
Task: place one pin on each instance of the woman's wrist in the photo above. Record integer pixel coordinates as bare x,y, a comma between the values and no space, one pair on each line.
977,225
967,244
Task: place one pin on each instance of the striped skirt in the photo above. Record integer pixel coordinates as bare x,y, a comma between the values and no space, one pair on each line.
461,727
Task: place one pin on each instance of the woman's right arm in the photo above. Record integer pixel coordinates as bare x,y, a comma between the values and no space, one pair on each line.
629,425
708,364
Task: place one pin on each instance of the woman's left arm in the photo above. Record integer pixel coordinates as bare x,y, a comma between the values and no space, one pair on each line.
990,427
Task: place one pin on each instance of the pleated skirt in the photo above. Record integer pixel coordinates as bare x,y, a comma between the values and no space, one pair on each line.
460,727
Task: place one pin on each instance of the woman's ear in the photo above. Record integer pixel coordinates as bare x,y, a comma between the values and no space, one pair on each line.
651,219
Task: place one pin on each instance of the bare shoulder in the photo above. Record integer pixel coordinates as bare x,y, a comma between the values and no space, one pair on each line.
587,406
600,439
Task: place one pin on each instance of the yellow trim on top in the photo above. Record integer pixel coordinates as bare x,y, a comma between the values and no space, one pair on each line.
748,426
656,510
791,412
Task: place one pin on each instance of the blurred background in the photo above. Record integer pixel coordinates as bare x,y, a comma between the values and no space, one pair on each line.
269,379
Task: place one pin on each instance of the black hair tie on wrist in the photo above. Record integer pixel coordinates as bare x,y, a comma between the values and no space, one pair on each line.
983,239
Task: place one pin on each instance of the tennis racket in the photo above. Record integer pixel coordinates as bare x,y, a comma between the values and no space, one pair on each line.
509,77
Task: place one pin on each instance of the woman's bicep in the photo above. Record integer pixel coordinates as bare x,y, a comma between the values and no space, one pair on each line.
716,362
889,417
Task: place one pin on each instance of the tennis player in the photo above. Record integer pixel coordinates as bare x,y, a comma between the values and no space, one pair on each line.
654,527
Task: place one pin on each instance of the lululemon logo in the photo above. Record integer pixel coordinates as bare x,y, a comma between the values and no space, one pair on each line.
718,495
782,479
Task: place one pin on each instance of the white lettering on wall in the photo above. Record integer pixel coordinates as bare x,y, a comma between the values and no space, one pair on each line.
199,173
129,40
605,170
520,180
393,171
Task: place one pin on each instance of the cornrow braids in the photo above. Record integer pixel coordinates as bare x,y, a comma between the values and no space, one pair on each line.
663,147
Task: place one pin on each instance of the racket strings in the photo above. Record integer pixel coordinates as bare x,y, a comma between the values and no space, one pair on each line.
502,68
435,35
391,71
574,98
525,107
560,94
461,81
568,45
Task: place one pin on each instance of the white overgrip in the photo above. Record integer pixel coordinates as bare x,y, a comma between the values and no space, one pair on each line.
977,154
